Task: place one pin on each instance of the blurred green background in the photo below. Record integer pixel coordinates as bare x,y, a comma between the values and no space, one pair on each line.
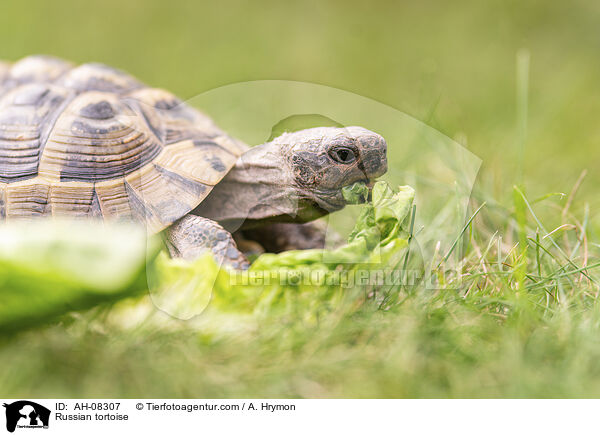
449,64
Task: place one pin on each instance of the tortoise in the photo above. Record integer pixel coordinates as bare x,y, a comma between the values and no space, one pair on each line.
92,141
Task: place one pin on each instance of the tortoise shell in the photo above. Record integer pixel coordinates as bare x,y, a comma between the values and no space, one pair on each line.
90,140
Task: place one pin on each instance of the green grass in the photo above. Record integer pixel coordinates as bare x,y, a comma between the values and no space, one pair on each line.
517,313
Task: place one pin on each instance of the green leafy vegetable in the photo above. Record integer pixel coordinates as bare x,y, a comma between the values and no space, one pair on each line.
355,194
50,267
282,280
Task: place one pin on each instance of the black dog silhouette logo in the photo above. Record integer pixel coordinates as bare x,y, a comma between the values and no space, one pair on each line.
26,414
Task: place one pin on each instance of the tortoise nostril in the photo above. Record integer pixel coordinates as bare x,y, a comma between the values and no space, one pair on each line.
374,157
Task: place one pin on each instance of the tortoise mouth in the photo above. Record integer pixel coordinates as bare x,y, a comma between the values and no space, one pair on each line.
329,205
330,200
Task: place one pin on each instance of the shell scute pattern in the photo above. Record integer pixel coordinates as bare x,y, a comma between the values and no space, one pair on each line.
93,141
36,69
98,77
25,114
167,194
109,144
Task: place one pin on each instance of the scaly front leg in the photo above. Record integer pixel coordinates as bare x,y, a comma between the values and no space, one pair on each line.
192,236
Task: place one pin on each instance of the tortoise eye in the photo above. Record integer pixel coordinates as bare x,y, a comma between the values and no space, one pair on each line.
342,155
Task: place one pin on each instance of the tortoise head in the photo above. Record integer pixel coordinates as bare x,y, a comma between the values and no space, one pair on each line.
324,160
296,177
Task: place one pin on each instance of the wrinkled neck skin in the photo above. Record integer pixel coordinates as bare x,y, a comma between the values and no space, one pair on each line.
259,189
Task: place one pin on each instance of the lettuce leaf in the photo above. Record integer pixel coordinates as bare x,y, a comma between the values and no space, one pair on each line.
307,279
48,268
